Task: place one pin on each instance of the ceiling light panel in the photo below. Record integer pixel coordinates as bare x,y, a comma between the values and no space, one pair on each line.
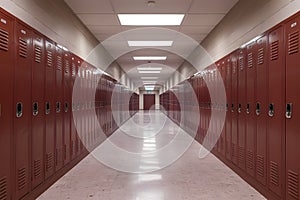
150,43
149,57
151,19
149,68
152,78
149,72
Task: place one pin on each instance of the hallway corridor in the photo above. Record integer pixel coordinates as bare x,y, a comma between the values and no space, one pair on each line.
188,178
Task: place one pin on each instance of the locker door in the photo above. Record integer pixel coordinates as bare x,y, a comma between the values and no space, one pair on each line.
250,111
49,109
261,110
228,106
276,132
73,148
6,99
37,112
59,106
222,108
233,108
292,29
241,108
22,105
66,107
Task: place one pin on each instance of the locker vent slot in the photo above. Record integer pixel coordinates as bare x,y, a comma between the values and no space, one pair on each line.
67,66
21,178
38,54
3,189
260,56
274,175
274,50
49,58
241,63
3,40
260,165
293,46
250,158
250,59
22,48
241,154
59,63
293,184
234,66
73,70
49,161
37,168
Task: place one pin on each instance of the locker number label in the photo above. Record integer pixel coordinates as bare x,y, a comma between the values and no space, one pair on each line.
293,24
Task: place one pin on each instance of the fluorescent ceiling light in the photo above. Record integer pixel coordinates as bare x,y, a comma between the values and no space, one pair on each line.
149,68
253,40
151,19
150,43
152,78
149,72
149,57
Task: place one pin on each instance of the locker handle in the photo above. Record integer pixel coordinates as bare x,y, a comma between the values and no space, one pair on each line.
66,107
289,108
19,111
257,109
239,108
58,107
35,109
232,107
47,108
226,107
271,110
248,108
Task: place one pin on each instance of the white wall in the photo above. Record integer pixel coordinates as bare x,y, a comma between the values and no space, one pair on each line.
56,20
141,98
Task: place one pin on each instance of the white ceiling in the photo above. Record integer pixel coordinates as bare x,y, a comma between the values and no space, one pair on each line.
100,17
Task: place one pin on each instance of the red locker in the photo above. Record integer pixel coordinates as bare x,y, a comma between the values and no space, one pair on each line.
38,116
66,106
222,107
22,104
228,106
74,139
261,110
59,106
276,128
6,105
292,109
241,108
49,108
250,108
234,108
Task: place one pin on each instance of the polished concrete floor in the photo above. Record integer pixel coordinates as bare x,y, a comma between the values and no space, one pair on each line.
150,176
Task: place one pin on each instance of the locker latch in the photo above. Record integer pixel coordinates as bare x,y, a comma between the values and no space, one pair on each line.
239,108
66,106
248,108
271,110
57,107
19,108
257,111
226,107
232,107
47,108
288,112
35,109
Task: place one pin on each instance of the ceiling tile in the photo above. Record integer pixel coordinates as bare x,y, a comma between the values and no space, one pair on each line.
202,19
196,29
105,29
99,19
212,6
90,6
141,6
